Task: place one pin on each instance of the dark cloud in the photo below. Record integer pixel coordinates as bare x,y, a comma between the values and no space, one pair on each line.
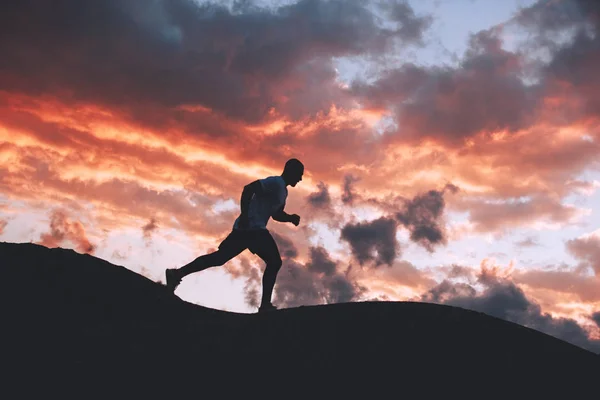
286,246
587,249
484,94
317,282
321,198
458,271
137,55
296,286
447,290
576,65
451,188
64,231
373,241
252,287
596,318
503,299
412,27
341,290
422,217
320,262
348,195
572,61
252,295
547,17
149,228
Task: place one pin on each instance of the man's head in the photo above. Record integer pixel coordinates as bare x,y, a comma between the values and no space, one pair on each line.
292,172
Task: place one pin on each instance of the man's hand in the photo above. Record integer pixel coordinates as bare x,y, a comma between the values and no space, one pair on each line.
295,219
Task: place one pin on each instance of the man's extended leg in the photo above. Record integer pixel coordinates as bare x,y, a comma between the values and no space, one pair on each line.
266,248
228,249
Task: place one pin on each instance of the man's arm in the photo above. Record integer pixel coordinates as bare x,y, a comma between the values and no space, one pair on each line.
247,194
282,216
249,191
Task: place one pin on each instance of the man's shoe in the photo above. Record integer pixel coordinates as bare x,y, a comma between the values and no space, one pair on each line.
266,308
173,279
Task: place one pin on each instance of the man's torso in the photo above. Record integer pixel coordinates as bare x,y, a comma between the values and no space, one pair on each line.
263,206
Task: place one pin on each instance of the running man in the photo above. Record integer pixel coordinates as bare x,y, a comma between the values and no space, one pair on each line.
261,200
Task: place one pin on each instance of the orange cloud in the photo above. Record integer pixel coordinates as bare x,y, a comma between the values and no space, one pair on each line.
63,230
587,249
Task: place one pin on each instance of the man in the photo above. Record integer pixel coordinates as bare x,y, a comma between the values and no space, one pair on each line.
260,200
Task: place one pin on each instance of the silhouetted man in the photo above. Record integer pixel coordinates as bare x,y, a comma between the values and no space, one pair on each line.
260,200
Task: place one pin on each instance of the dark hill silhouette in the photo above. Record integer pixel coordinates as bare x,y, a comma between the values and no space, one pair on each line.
77,325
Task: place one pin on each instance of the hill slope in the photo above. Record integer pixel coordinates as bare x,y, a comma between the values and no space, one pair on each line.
78,323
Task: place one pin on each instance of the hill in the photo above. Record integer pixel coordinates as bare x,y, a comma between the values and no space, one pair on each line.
77,325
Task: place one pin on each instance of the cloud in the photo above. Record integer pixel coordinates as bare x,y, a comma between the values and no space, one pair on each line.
527,242
320,262
137,55
317,282
321,198
285,245
586,288
3,224
502,298
568,30
412,27
348,195
142,195
459,271
496,215
445,291
587,249
295,96
596,318
484,94
252,288
422,217
548,18
149,228
403,273
372,241
64,231
549,81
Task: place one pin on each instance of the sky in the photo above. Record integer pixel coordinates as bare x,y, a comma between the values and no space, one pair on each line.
451,147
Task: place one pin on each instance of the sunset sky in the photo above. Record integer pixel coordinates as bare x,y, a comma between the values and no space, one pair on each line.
452,147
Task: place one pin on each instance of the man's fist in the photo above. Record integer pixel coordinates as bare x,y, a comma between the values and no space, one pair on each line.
295,219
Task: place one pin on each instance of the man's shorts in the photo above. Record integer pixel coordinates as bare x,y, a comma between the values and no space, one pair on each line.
258,241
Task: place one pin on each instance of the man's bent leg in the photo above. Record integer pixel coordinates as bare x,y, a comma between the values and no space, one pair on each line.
214,259
228,249
266,248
